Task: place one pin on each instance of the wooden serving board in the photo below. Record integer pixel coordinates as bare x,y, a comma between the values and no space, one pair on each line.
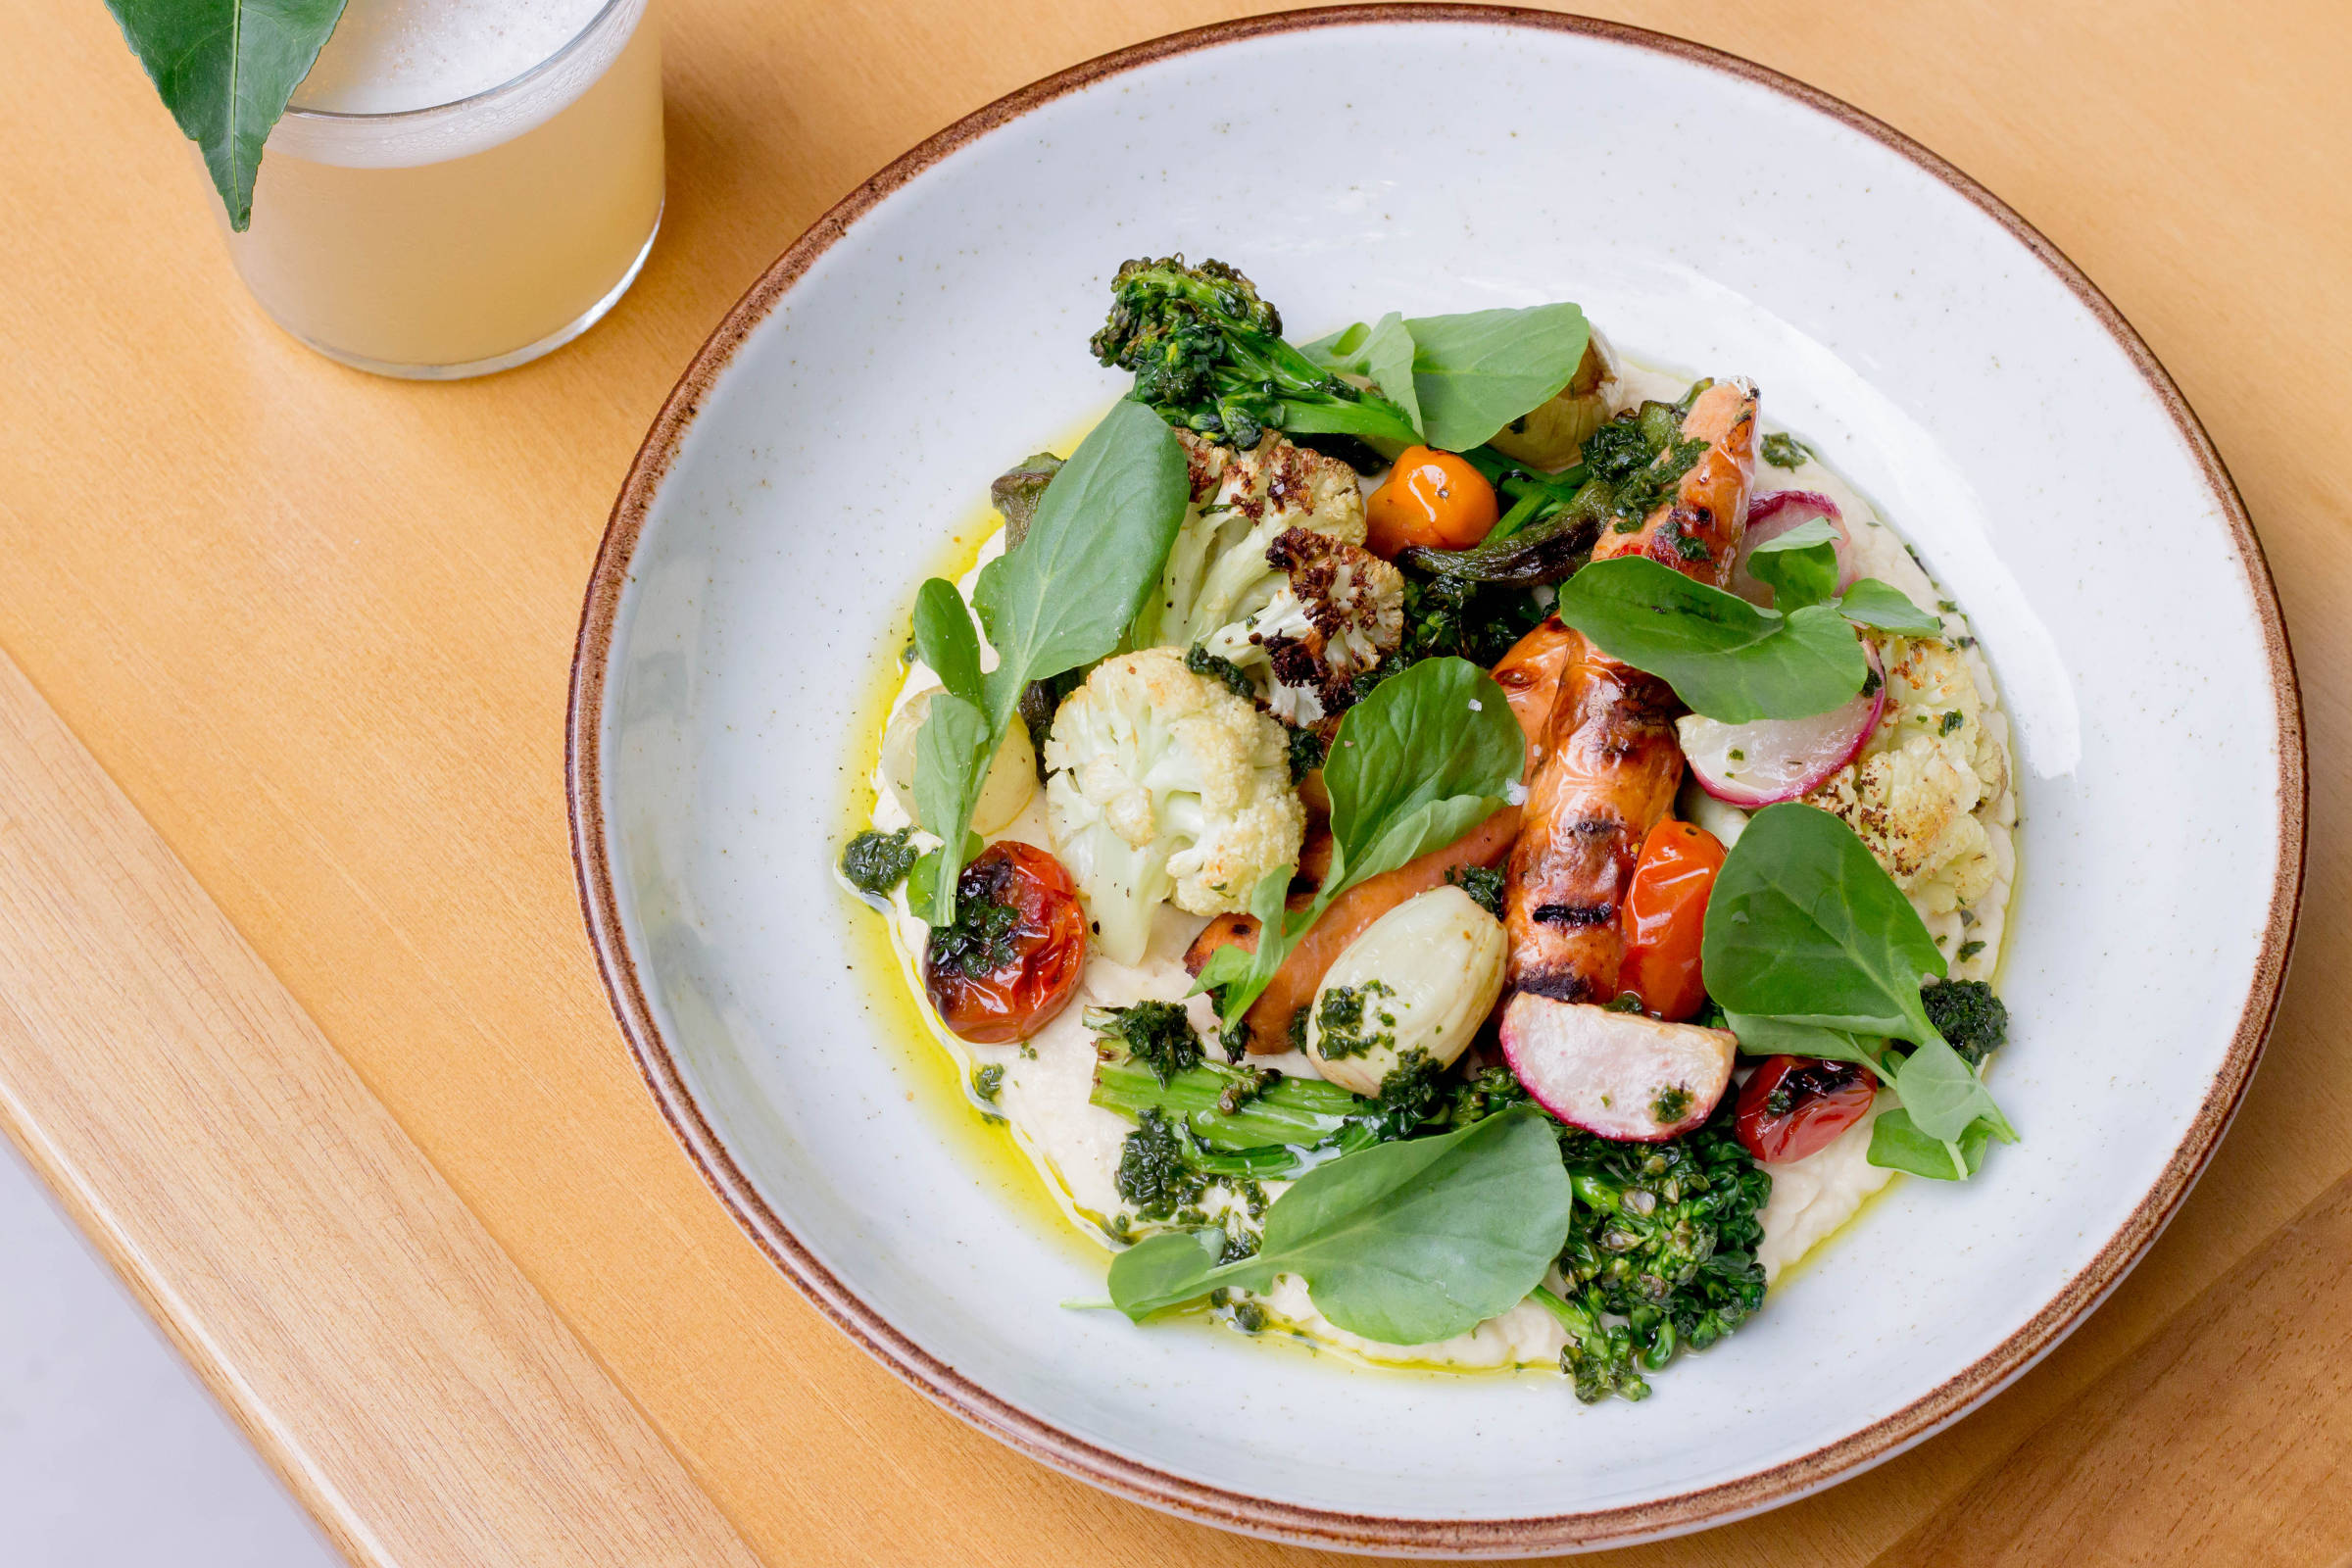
302,1021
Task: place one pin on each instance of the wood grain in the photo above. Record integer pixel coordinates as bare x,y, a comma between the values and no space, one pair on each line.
319,626
418,1395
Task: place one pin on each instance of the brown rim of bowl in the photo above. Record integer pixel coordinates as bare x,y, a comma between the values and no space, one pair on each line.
1713,1504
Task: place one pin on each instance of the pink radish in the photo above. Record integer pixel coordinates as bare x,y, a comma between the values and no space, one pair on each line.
1618,1074
1770,760
1771,516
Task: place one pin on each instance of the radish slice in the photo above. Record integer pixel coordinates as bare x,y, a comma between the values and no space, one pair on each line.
1771,516
1618,1074
1771,759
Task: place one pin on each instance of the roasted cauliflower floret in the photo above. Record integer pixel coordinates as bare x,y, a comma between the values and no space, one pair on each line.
1218,573
1912,794
1340,613
1162,784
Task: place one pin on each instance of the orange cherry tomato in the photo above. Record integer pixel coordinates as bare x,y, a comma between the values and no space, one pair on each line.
1793,1107
1666,917
1011,960
1432,499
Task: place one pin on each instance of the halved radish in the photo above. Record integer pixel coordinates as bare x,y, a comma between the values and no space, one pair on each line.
1773,514
1618,1074
1770,760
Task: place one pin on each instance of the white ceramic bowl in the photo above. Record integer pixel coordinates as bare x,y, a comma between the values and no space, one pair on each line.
847,416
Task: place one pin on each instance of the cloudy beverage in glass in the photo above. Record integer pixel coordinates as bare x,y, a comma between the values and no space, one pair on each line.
461,185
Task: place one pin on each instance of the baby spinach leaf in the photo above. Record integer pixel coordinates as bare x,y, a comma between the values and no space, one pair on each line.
1804,925
1477,373
1421,760
1763,1036
225,69
1882,607
944,638
1403,1242
1091,554
1805,931
1723,656
1383,352
1898,1144
1801,567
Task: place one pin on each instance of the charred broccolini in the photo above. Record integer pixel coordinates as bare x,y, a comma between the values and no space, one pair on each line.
1209,355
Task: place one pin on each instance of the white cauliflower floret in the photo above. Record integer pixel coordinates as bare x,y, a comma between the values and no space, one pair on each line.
1912,794
1162,784
1340,613
1218,573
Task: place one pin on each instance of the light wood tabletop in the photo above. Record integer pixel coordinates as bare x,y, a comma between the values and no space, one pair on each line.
318,627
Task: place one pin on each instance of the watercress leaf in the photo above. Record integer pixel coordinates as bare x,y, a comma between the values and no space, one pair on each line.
1383,352
944,638
1801,565
1168,1269
1091,554
1944,1095
1882,607
1478,371
225,69
1898,1144
1441,735
1723,656
1804,925
1761,1036
952,754
1424,1239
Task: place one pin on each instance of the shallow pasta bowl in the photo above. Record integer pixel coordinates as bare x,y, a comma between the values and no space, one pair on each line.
837,433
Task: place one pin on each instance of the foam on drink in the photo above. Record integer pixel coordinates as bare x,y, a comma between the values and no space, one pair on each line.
390,56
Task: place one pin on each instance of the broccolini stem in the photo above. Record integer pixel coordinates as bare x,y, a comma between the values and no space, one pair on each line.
1290,1113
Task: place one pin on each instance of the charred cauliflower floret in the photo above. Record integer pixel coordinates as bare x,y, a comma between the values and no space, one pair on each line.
1912,794
1161,784
1341,612
1218,573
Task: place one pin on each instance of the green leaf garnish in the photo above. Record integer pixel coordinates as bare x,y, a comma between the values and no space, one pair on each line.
225,69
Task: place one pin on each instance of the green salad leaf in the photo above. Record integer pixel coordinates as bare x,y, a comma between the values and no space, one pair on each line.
1801,567
1476,372
225,69
1063,597
1898,1144
1882,607
1424,758
1804,929
1726,658
1405,1243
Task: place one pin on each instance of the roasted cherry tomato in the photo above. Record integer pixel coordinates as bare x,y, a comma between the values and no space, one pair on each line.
1666,917
1793,1107
1432,499
1011,960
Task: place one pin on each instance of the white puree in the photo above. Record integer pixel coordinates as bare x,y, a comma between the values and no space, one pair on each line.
1075,1144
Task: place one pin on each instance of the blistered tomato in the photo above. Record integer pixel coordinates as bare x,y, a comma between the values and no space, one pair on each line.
1666,918
1432,499
1793,1107
1011,960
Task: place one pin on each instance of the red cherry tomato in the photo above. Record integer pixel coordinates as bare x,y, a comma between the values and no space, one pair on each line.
1011,960
1433,499
1666,918
1793,1107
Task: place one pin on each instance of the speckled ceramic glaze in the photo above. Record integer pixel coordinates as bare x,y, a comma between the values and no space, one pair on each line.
847,416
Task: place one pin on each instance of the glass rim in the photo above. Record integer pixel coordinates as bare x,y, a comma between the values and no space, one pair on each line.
294,110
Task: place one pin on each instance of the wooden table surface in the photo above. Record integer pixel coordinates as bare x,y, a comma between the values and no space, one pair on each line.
317,626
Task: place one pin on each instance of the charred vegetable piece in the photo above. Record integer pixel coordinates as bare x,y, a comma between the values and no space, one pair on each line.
1016,491
1793,1107
1010,960
1546,550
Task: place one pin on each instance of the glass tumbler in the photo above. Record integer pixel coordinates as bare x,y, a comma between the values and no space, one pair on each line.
469,235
